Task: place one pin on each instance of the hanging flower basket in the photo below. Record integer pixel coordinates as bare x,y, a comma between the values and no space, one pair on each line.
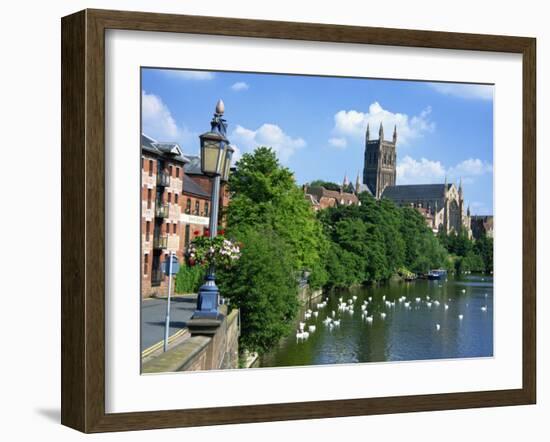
219,251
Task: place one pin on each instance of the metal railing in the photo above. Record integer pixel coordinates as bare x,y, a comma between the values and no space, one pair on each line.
160,242
163,179
161,210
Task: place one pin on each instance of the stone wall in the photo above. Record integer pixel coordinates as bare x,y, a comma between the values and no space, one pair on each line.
213,351
306,294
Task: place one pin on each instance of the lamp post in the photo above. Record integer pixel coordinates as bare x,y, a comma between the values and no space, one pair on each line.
215,162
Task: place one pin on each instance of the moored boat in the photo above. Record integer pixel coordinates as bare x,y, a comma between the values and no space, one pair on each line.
436,274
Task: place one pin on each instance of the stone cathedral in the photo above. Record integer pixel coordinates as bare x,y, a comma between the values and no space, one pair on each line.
442,205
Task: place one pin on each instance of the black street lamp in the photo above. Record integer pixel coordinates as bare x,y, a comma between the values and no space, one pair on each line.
215,162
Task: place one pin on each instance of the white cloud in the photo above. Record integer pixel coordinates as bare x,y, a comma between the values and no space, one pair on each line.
463,90
411,171
470,167
240,86
157,121
338,142
269,135
424,171
352,124
188,75
156,118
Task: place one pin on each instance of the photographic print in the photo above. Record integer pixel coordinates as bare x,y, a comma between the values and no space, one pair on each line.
302,220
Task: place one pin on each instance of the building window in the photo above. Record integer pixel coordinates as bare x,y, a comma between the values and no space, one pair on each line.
176,197
174,228
169,197
197,207
188,206
186,240
148,198
206,208
145,264
170,170
177,172
150,167
147,229
142,160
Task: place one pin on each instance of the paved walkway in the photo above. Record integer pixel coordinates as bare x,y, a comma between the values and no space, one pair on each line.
153,316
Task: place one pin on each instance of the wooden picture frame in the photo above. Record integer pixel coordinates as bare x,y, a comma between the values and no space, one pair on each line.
83,219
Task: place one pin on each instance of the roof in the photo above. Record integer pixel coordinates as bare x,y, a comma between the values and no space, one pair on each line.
194,188
363,188
166,149
193,165
413,192
319,192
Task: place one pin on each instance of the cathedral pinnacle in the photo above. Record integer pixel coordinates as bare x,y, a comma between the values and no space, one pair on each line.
368,132
381,132
395,134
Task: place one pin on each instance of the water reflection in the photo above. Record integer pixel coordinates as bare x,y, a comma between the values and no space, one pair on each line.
430,328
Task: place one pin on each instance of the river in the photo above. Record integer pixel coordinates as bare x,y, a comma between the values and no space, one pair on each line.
410,330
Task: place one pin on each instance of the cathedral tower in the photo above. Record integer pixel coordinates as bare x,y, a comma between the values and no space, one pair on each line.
380,162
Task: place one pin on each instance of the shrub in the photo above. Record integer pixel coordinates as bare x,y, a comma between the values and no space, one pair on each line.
189,279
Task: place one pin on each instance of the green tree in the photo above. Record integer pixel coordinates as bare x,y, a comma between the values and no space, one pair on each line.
263,285
329,185
265,194
484,248
376,240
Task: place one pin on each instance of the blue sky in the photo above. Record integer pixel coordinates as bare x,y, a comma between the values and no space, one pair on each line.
317,124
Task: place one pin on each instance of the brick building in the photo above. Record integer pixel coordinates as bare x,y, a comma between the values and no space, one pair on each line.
482,225
175,208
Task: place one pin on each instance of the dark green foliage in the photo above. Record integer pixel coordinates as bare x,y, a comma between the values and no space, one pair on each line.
189,279
484,248
372,241
469,255
329,185
263,285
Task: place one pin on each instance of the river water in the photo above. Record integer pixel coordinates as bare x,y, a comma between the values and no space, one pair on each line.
423,329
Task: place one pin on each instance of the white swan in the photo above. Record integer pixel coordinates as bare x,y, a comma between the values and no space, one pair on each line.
437,327
311,328
461,317
383,315
484,308
369,318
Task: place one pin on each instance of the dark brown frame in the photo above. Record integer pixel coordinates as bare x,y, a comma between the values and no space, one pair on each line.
83,216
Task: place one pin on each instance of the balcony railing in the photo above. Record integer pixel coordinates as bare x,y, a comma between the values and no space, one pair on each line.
163,179
160,242
157,276
161,210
